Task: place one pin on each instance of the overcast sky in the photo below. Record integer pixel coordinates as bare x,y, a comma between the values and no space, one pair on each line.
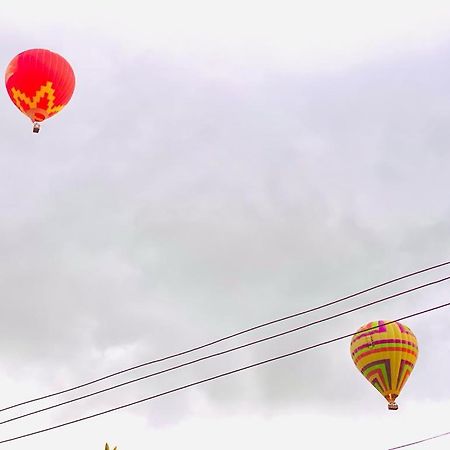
222,164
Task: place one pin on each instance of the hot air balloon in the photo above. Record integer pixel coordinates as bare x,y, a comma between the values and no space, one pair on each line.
40,83
385,353
107,447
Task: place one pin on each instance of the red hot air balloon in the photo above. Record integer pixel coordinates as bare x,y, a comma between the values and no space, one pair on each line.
40,83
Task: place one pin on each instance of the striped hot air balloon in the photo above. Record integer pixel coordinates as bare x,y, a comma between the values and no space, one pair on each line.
385,353
40,83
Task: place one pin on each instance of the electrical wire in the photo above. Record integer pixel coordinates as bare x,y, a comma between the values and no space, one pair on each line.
223,352
422,440
227,337
215,377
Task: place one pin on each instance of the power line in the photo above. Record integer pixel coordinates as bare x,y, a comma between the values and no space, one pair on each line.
215,377
213,355
227,337
422,440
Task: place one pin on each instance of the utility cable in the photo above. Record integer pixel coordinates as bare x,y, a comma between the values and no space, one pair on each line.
422,440
227,337
215,377
223,352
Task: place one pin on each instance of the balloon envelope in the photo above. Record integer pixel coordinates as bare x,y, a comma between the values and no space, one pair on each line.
40,83
385,353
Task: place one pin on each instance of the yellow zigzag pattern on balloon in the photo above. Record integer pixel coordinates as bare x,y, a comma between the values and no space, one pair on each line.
44,90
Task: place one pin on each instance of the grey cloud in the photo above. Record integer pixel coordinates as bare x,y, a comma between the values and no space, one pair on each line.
163,208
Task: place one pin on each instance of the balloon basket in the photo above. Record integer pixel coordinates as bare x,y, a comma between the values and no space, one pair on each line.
393,406
36,127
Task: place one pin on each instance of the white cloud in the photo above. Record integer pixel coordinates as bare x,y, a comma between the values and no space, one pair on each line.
202,180
373,430
290,34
